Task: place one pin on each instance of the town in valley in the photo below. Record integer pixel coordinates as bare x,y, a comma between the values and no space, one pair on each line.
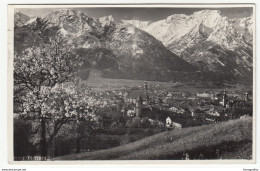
133,83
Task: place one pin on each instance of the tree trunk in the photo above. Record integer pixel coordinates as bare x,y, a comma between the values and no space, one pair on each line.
43,143
51,149
78,144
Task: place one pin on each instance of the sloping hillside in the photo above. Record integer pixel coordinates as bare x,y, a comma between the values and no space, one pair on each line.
227,140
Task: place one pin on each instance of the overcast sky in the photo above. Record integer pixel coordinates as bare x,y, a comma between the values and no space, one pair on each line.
150,14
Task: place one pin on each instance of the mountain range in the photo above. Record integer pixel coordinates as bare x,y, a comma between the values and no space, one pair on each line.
204,46
206,39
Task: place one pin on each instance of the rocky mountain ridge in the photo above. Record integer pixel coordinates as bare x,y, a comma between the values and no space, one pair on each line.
208,40
206,43
118,50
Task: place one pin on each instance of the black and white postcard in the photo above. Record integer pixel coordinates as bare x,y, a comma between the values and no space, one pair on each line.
167,83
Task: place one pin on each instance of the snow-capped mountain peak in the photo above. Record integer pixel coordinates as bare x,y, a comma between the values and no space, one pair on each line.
137,23
174,27
106,20
206,39
20,18
73,21
209,18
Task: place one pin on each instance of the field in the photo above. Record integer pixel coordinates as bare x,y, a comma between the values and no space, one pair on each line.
97,82
105,140
226,140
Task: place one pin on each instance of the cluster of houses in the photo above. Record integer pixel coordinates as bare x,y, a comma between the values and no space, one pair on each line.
202,106
206,106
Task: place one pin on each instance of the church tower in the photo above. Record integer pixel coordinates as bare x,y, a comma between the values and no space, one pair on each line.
224,100
246,98
138,106
146,91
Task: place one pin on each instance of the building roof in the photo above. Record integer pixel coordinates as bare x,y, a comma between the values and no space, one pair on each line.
198,111
176,119
135,94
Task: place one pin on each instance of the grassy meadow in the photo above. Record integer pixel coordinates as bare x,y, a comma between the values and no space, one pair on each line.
233,140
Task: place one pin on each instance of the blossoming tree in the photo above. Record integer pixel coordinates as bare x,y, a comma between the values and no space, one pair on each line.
52,95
